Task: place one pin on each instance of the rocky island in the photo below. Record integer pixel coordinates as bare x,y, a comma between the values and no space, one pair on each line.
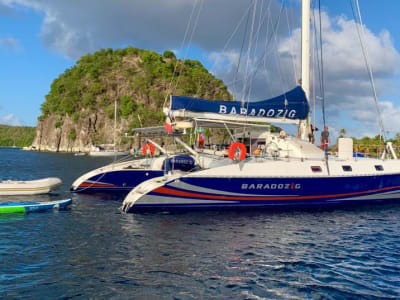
78,112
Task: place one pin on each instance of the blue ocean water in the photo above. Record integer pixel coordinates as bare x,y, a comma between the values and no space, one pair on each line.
94,251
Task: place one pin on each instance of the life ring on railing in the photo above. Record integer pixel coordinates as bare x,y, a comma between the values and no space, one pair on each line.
233,151
148,147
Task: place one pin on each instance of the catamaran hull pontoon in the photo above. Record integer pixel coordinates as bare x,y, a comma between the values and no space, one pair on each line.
210,189
233,193
123,177
115,181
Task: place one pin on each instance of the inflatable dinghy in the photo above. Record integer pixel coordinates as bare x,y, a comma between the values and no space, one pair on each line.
30,187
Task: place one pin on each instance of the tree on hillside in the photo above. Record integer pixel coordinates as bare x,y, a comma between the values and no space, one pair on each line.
128,106
169,54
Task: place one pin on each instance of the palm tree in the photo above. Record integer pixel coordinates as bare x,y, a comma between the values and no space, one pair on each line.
342,132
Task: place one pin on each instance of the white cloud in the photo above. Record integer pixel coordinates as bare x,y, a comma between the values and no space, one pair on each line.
10,43
347,83
11,120
5,10
390,116
75,28
347,86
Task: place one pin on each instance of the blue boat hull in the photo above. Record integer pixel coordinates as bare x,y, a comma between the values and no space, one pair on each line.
189,193
121,181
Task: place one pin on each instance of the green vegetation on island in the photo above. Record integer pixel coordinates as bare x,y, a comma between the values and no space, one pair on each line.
18,136
139,80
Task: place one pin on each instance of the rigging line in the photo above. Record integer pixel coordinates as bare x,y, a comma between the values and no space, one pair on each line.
317,49
234,32
237,70
182,46
265,46
263,57
260,23
241,49
278,61
268,40
322,84
248,51
262,19
261,60
273,34
322,64
291,53
313,42
369,68
316,52
194,27
191,38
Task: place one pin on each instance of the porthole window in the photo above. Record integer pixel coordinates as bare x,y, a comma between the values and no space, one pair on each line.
379,167
316,169
347,168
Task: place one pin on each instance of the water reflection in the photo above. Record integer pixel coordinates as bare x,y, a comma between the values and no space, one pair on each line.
94,250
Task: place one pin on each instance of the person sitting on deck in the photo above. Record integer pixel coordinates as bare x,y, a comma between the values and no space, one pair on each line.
258,150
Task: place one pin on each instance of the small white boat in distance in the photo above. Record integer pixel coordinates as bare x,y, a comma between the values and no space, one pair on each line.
80,154
30,187
108,153
100,151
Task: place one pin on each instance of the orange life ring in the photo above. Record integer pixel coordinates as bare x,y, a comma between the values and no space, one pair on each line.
147,146
233,149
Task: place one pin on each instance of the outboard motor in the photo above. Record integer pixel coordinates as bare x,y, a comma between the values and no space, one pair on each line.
179,162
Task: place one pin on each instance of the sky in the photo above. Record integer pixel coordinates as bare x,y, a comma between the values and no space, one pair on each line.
39,39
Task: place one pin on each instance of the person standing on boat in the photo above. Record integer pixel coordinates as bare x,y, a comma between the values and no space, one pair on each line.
311,135
201,139
325,140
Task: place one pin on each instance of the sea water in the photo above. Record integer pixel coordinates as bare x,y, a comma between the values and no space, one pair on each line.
93,250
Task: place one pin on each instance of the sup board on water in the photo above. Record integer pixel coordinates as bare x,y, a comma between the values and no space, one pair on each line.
25,207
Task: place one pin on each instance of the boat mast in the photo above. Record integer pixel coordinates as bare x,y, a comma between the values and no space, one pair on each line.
115,120
305,63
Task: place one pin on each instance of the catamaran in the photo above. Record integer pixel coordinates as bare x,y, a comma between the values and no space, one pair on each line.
123,176
286,171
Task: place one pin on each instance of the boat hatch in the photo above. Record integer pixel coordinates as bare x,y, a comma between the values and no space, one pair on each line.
347,168
316,169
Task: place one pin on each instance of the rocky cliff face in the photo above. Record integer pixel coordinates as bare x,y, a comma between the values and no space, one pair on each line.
64,135
79,110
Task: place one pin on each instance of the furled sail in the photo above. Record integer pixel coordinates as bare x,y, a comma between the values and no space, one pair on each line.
291,106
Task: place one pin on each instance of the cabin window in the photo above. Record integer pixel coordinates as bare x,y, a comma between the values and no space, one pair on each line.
347,168
379,167
316,169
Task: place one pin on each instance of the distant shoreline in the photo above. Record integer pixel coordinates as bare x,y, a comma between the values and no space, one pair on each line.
10,147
